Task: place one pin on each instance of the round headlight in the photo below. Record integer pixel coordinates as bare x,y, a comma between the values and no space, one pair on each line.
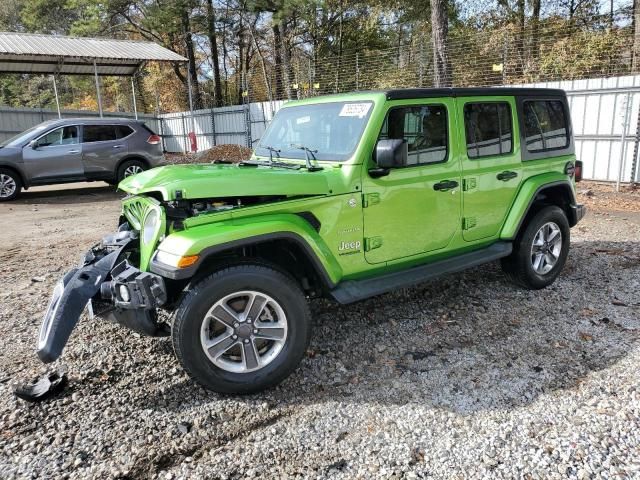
150,226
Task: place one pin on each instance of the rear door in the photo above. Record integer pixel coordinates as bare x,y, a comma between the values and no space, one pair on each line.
56,155
103,146
414,210
491,163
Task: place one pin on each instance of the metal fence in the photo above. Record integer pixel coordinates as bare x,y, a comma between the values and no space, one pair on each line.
605,114
240,124
16,120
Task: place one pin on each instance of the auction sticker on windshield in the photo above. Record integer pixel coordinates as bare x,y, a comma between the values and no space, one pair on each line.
355,109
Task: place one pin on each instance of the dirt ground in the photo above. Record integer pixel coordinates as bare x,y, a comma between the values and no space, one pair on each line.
464,377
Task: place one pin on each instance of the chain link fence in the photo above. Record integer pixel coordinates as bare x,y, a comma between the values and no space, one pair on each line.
550,49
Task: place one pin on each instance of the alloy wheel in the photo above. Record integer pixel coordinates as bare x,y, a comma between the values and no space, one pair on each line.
7,186
546,248
244,331
132,170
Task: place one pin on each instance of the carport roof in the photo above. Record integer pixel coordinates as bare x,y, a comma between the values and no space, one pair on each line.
35,53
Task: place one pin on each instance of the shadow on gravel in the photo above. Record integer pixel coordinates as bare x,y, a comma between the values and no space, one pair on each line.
68,196
468,342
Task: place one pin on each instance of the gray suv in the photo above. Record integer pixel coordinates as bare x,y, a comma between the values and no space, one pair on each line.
73,150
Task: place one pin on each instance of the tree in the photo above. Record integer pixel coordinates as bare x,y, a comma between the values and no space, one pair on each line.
213,45
439,34
636,35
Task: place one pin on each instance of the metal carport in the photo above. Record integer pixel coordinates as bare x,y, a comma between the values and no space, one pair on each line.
26,53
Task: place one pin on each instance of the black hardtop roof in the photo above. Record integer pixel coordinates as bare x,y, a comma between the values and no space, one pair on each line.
409,93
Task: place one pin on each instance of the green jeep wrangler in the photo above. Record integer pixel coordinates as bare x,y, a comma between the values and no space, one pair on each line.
346,196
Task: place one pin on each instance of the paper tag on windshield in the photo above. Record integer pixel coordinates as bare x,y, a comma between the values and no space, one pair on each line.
355,109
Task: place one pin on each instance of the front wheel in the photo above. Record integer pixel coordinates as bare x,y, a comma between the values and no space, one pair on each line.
10,185
540,251
242,329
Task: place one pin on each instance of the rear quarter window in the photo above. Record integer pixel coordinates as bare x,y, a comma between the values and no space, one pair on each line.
545,125
123,131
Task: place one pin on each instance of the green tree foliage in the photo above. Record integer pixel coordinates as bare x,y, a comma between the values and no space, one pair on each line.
253,50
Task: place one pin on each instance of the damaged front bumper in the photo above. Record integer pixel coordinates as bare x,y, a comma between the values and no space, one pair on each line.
109,286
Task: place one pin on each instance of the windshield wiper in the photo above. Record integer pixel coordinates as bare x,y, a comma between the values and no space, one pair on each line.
270,163
259,163
307,151
272,150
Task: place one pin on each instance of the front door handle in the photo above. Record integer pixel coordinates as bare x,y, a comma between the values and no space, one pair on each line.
506,175
445,185
73,151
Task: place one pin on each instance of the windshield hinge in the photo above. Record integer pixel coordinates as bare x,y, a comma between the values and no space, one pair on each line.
369,199
372,243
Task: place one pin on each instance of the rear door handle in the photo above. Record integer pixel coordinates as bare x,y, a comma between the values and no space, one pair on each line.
506,176
118,146
445,185
73,151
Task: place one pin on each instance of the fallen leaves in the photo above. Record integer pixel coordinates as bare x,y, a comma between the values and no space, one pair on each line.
587,337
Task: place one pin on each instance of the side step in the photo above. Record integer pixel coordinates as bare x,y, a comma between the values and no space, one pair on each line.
354,290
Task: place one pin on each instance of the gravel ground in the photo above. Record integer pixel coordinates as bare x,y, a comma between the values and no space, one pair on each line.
465,377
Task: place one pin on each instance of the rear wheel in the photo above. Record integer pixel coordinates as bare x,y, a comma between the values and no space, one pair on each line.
540,251
128,168
10,185
242,329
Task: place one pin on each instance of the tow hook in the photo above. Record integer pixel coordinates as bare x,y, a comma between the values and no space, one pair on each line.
130,288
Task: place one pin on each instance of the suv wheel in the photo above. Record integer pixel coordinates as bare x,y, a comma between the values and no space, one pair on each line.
242,329
10,185
540,251
128,168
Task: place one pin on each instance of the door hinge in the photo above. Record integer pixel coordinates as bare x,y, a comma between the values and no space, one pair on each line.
468,184
372,243
468,223
369,199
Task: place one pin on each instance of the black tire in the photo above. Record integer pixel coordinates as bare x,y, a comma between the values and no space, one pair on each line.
9,180
188,322
127,165
519,266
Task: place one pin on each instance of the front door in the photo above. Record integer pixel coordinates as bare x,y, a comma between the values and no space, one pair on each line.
491,163
56,155
415,209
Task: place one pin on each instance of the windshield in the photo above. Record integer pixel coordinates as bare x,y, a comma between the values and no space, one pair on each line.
22,137
331,130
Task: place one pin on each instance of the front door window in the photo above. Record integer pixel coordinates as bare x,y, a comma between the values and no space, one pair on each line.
59,136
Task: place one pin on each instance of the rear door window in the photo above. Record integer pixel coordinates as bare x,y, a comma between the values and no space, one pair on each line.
99,133
545,125
489,130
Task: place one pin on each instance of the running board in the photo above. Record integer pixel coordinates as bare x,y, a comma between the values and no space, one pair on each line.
354,290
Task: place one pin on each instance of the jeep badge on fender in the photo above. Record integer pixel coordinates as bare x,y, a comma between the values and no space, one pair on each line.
379,191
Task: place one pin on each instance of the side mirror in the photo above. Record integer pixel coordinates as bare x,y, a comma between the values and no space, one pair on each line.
391,153
33,144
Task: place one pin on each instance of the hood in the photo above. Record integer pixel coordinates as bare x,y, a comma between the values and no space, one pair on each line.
208,181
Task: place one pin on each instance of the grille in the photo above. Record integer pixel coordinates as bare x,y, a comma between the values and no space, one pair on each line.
135,210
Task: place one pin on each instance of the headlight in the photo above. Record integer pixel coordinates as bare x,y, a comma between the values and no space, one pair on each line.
150,226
